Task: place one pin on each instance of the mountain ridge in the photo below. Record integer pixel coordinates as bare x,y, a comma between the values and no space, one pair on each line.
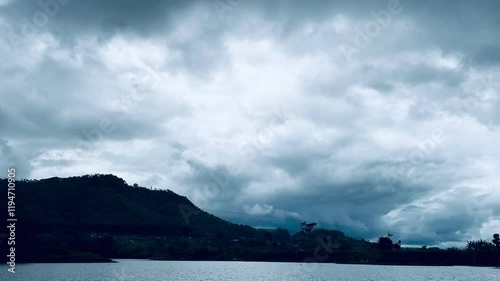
94,218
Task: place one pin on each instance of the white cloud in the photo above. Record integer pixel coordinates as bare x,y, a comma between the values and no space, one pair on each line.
268,97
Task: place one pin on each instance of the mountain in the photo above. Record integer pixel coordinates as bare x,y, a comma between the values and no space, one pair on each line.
96,205
105,203
93,218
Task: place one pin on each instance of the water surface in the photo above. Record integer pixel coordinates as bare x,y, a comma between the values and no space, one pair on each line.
245,271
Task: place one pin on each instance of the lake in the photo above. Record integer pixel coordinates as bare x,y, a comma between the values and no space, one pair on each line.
252,271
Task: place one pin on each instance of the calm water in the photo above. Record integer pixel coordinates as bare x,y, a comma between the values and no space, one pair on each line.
252,271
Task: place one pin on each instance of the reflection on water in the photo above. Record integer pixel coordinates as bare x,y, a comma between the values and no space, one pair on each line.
252,271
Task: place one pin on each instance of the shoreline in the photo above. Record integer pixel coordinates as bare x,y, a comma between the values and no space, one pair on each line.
117,260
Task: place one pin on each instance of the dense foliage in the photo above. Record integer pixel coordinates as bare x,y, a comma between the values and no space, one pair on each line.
92,218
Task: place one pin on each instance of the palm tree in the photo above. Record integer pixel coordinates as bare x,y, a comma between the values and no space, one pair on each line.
479,245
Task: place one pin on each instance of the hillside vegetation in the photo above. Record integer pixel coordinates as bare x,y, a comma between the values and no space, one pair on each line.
94,218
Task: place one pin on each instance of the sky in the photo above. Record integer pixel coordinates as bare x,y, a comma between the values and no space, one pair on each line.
363,116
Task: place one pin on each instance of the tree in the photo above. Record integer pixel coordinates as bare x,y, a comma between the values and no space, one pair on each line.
385,243
479,245
496,240
282,235
397,246
307,228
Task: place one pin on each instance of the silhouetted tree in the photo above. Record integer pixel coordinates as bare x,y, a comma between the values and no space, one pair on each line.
307,228
385,243
397,246
281,235
479,245
496,240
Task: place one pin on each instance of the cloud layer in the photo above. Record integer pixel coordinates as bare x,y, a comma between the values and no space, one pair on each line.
366,116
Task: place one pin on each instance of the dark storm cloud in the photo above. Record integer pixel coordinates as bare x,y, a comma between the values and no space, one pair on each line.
70,18
191,90
487,55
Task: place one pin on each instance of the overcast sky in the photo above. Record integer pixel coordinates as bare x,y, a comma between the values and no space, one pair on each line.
365,116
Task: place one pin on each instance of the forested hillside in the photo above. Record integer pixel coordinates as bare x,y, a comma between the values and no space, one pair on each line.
98,217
